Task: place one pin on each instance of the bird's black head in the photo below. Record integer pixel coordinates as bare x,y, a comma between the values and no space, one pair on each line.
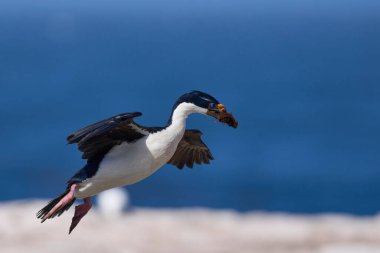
197,98
200,102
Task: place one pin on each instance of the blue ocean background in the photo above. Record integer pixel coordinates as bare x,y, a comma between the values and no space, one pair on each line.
302,78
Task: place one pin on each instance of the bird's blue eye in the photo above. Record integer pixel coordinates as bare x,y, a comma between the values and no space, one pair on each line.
211,105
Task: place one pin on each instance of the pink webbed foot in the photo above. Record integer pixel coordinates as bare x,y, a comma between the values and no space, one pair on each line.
80,212
63,202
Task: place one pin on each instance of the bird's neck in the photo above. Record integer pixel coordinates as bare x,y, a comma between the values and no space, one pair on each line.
177,120
172,134
178,117
181,112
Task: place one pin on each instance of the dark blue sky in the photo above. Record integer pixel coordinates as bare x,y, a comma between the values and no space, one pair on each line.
302,78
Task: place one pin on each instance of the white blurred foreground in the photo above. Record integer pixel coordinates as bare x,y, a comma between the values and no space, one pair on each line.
185,231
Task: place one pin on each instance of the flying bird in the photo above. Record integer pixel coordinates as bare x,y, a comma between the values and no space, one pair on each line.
121,152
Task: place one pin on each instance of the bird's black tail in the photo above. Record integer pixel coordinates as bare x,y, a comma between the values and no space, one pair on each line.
44,211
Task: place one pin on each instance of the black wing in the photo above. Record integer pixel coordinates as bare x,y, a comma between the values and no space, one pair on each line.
97,139
190,150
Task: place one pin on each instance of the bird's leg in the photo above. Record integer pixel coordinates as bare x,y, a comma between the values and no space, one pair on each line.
64,201
80,212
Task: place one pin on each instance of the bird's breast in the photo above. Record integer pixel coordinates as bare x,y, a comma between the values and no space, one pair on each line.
162,145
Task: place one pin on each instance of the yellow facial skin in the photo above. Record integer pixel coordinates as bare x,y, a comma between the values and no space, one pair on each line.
221,107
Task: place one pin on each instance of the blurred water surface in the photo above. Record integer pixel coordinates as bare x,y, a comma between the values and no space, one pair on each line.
302,78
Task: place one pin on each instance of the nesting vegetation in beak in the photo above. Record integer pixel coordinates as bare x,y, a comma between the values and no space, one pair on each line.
219,112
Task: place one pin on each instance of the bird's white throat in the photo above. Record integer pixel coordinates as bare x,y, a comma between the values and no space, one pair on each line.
183,110
173,133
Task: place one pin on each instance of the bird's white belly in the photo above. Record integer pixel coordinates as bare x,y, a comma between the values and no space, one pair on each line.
127,164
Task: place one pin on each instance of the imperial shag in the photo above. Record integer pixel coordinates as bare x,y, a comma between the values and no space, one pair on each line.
121,152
